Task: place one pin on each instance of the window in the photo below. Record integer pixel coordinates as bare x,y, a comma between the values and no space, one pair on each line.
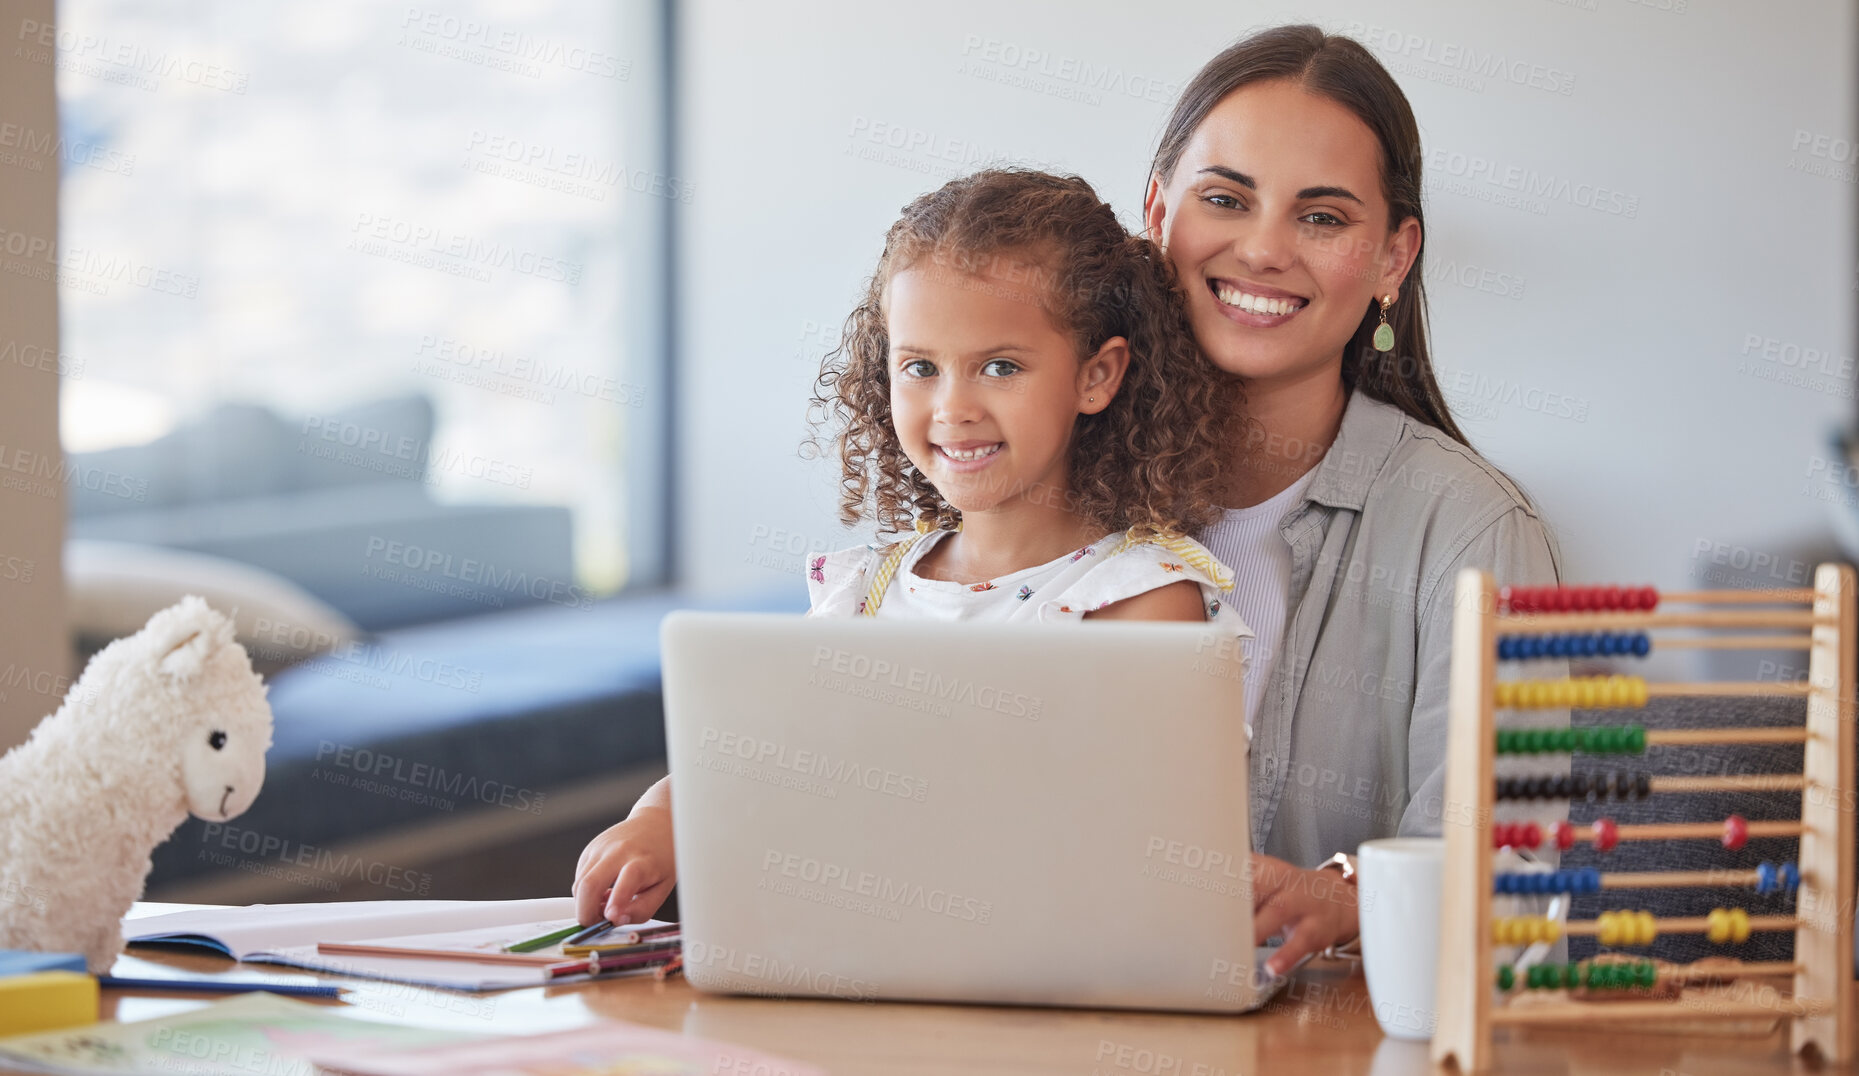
369,271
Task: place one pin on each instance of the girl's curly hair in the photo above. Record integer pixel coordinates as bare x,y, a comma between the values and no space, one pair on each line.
1152,461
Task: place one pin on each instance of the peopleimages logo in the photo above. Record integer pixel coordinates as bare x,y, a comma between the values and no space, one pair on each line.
814,764
925,682
877,887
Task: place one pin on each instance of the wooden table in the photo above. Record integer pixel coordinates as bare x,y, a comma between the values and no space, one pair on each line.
1321,1024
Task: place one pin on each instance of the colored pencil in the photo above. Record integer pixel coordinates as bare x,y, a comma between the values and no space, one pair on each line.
221,986
660,942
545,940
597,966
595,931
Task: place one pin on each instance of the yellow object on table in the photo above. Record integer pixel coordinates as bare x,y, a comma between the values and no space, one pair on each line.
46,1000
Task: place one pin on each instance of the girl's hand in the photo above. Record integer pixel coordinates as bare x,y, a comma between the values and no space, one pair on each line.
1315,909
626,872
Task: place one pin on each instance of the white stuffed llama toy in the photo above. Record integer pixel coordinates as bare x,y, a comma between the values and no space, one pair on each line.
168,721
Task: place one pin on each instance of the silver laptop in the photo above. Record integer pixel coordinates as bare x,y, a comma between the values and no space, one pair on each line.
1042,815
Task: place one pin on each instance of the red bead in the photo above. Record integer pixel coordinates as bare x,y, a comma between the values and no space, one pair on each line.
1735,832
1532,835
1519,598
1611,598
1606,835
1565,835
1584,599
1649,598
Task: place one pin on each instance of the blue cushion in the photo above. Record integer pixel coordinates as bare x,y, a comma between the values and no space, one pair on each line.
484,713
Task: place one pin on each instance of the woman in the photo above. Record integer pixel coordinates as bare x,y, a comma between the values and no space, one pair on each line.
1286,191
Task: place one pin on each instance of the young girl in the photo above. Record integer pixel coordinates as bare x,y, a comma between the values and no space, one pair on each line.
1019,391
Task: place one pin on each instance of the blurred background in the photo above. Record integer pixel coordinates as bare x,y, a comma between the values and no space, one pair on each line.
450,345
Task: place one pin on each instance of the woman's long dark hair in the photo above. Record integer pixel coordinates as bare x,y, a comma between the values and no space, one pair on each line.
1340,69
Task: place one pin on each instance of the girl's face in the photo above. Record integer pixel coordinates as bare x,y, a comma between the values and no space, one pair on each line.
985,390
1276,223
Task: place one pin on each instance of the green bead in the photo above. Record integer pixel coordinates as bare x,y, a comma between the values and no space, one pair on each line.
1507,977
1636,739
1601,976
1647,974
1384,337
1506,744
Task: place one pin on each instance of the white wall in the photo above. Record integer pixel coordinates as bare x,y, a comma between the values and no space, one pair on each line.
1603,357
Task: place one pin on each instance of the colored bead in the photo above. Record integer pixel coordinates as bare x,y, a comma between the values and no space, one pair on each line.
1765,877
1565,835
1506,977
1642,645
1791,876
1606,834
1645,974
1532,835
1735,832
1649,598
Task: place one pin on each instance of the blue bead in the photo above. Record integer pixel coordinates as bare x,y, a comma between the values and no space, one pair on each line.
1642,644
1765,877
1791,876
1504,648
1605,643
1589,645
1535,648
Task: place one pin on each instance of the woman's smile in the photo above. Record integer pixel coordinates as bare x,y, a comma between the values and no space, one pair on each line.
1256,305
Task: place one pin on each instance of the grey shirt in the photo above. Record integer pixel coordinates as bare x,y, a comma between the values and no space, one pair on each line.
1350,743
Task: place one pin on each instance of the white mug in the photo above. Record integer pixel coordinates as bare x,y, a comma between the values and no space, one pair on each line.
1398,880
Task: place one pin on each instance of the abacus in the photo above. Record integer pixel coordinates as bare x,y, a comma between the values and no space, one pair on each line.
1492,626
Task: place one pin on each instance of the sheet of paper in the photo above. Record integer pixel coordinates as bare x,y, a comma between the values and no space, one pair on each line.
241,932
255,1033
599,1050
442,972
488,942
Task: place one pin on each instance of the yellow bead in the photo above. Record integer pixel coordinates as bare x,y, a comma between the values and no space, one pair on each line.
1609,929
1586,697
1648,928
1739,925
1716,928
1501,698
1640,693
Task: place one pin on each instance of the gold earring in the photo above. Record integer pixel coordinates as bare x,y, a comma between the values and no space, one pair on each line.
1384,333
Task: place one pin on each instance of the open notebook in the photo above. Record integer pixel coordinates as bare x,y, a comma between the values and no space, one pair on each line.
464,938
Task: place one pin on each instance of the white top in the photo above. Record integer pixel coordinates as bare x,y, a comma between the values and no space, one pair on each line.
1115,567
1248,539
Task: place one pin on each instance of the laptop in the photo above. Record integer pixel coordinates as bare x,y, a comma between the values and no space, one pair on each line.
912,810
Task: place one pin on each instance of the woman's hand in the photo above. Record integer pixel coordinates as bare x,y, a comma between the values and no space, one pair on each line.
1315,909
626,872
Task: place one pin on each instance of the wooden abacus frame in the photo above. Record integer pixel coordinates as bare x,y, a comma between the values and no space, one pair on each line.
1820,1007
